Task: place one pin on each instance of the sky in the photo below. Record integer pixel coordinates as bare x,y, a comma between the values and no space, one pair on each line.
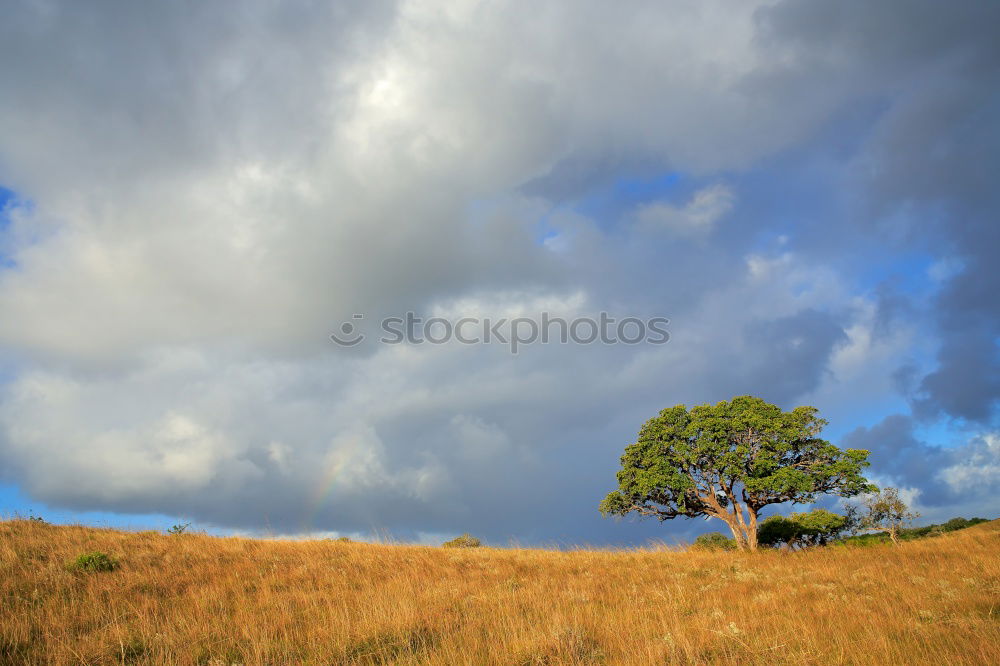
195,196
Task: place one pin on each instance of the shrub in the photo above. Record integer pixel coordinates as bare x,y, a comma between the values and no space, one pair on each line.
777,530
955,524
961,523
95,562
180,528
714,541
801,530
464,541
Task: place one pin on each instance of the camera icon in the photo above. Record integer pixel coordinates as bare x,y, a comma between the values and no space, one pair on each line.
349,335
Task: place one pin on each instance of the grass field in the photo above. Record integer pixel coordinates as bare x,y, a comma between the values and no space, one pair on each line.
195,599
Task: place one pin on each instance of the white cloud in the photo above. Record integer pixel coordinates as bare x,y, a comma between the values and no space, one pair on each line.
698,216
129,456
980,470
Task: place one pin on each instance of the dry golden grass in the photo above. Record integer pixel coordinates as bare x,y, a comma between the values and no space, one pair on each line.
195,599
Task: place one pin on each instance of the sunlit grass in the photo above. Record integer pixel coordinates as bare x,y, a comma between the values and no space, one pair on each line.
196,599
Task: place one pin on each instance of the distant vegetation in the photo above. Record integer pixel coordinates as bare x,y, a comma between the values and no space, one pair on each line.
204,600
464,541
820,528
911,533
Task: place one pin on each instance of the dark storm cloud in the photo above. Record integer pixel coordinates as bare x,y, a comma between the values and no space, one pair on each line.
930,159
897,453
792,353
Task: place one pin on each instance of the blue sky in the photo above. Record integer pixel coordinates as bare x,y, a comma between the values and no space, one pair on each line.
18,505
193,200
7,197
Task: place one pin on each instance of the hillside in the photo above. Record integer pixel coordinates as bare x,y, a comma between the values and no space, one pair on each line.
195,599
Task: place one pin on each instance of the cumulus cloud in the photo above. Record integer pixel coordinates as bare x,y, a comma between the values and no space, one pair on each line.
205,193
946,476
978,469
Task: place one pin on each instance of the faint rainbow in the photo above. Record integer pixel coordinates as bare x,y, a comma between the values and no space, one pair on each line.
319,496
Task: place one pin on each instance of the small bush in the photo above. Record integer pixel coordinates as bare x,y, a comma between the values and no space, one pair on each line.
95,562
180,528
714,541
464,541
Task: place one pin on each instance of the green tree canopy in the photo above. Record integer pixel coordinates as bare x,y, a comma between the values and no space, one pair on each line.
801,530
714,541
729,461
777,530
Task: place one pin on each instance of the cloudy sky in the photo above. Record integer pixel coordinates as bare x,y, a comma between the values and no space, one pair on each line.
194,196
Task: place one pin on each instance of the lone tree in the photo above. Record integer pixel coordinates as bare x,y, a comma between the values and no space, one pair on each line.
886,513
729,461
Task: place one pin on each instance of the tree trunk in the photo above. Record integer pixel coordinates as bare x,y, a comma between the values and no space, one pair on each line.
745,533
752,528
738,534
